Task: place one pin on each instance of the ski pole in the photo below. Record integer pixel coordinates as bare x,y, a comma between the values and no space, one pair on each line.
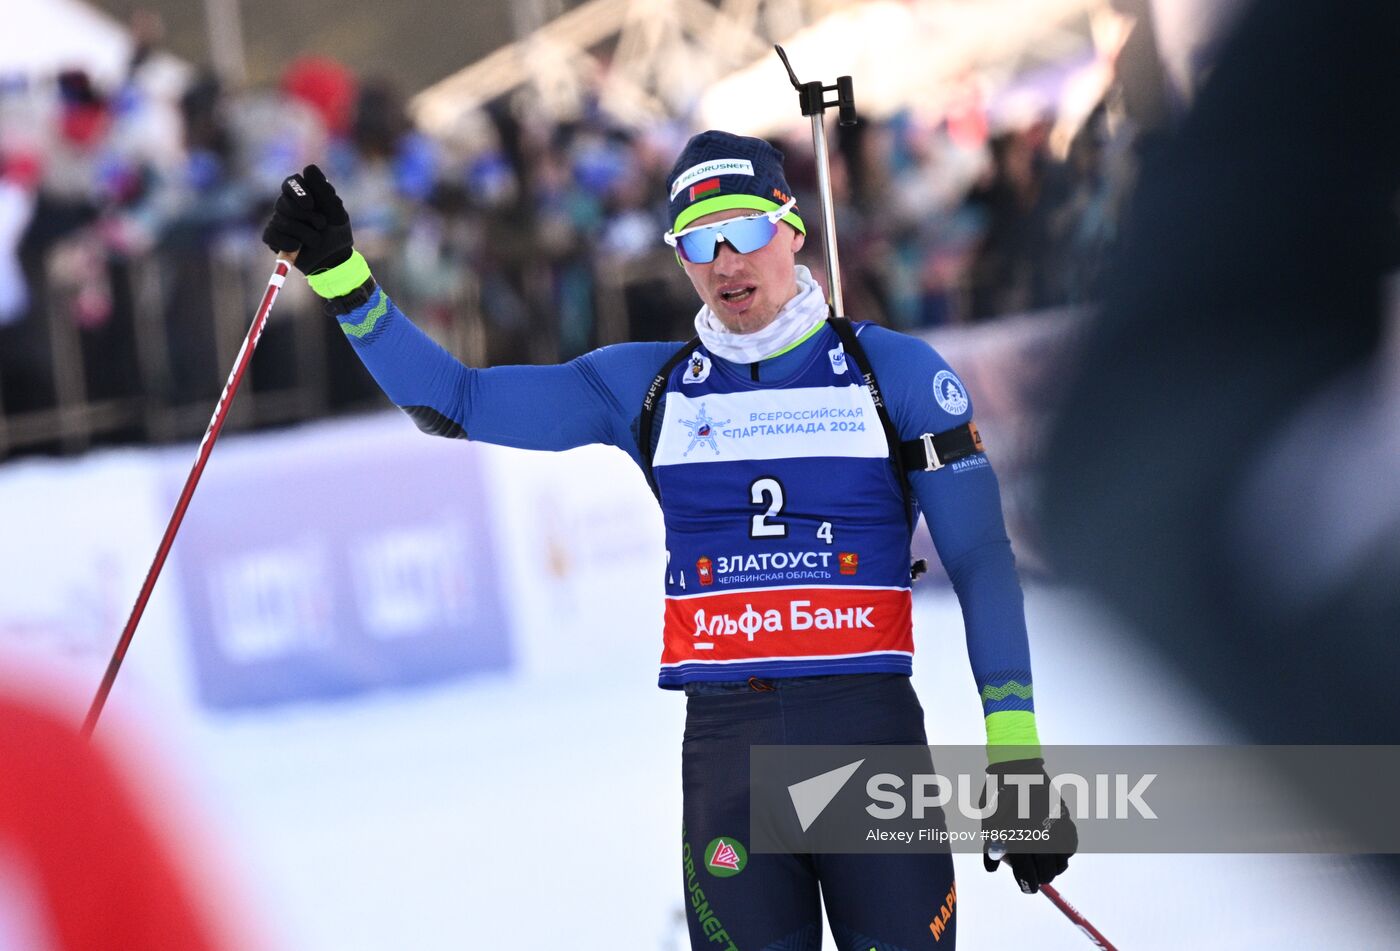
812,98
206,445
1072,913
997,852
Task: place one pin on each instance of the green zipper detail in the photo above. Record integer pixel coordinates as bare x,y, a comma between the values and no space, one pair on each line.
799,341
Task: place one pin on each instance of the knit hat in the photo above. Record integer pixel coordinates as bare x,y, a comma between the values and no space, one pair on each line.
717,171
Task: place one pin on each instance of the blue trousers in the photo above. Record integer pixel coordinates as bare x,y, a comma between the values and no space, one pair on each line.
768,902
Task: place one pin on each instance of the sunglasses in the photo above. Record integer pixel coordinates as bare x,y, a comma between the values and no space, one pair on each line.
699,245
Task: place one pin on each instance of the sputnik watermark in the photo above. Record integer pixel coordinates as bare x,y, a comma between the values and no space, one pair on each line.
1101,796
1121,799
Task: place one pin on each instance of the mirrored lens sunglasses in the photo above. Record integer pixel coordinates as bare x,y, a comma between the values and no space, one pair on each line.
699,245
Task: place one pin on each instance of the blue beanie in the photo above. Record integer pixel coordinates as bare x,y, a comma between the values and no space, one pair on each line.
717,171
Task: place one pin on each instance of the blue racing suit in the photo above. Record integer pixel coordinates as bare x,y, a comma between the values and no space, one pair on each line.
788,614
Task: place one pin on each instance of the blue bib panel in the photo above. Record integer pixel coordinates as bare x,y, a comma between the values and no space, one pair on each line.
786,532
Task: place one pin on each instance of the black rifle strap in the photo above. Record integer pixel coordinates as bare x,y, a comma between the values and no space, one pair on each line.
646,422
930,451
851,345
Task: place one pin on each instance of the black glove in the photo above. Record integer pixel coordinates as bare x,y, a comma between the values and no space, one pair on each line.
1036,847
310,218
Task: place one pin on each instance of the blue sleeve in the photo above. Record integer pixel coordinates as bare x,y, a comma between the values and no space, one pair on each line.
961,504
593,399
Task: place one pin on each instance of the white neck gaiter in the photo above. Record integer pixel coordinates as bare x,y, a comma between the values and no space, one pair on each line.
794,321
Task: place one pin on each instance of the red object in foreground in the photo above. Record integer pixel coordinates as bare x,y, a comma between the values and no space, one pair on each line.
1073,915
206,445
90,858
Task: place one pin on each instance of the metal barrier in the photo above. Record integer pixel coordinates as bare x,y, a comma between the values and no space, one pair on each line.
181,314
179,324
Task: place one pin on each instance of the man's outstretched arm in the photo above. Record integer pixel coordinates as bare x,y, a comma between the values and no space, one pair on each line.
589,400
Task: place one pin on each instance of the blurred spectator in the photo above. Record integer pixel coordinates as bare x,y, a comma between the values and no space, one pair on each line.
520,239
1008,270
1082,213
327,87
18,178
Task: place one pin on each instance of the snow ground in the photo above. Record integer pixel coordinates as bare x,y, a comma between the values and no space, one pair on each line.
541,808
544,811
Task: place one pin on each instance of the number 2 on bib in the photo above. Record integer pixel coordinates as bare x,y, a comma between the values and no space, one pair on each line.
767,491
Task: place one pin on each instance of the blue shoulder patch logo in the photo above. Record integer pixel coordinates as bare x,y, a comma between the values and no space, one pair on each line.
838,359
948,391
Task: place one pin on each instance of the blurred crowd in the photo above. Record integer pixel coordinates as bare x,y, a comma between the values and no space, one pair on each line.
118,201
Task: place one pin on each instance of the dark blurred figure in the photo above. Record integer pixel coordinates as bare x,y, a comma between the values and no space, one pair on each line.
1008,270
57,242
1224,469
209,173
1080,225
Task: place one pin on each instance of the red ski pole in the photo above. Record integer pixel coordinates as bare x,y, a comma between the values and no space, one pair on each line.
206,445
997,852
1079,920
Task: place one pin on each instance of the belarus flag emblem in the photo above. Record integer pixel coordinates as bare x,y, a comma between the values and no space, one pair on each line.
700,188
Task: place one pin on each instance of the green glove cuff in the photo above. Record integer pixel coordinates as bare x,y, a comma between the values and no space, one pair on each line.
341,279
1011,734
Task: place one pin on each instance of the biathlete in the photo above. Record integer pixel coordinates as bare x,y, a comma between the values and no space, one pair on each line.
789,493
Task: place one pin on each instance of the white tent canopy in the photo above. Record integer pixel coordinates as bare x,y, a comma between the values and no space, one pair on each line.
716,64
42,37
899,55
663,53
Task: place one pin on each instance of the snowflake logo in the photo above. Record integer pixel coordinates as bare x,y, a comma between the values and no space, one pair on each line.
702,429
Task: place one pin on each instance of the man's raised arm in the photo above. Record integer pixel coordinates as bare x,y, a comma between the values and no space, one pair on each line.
589,400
